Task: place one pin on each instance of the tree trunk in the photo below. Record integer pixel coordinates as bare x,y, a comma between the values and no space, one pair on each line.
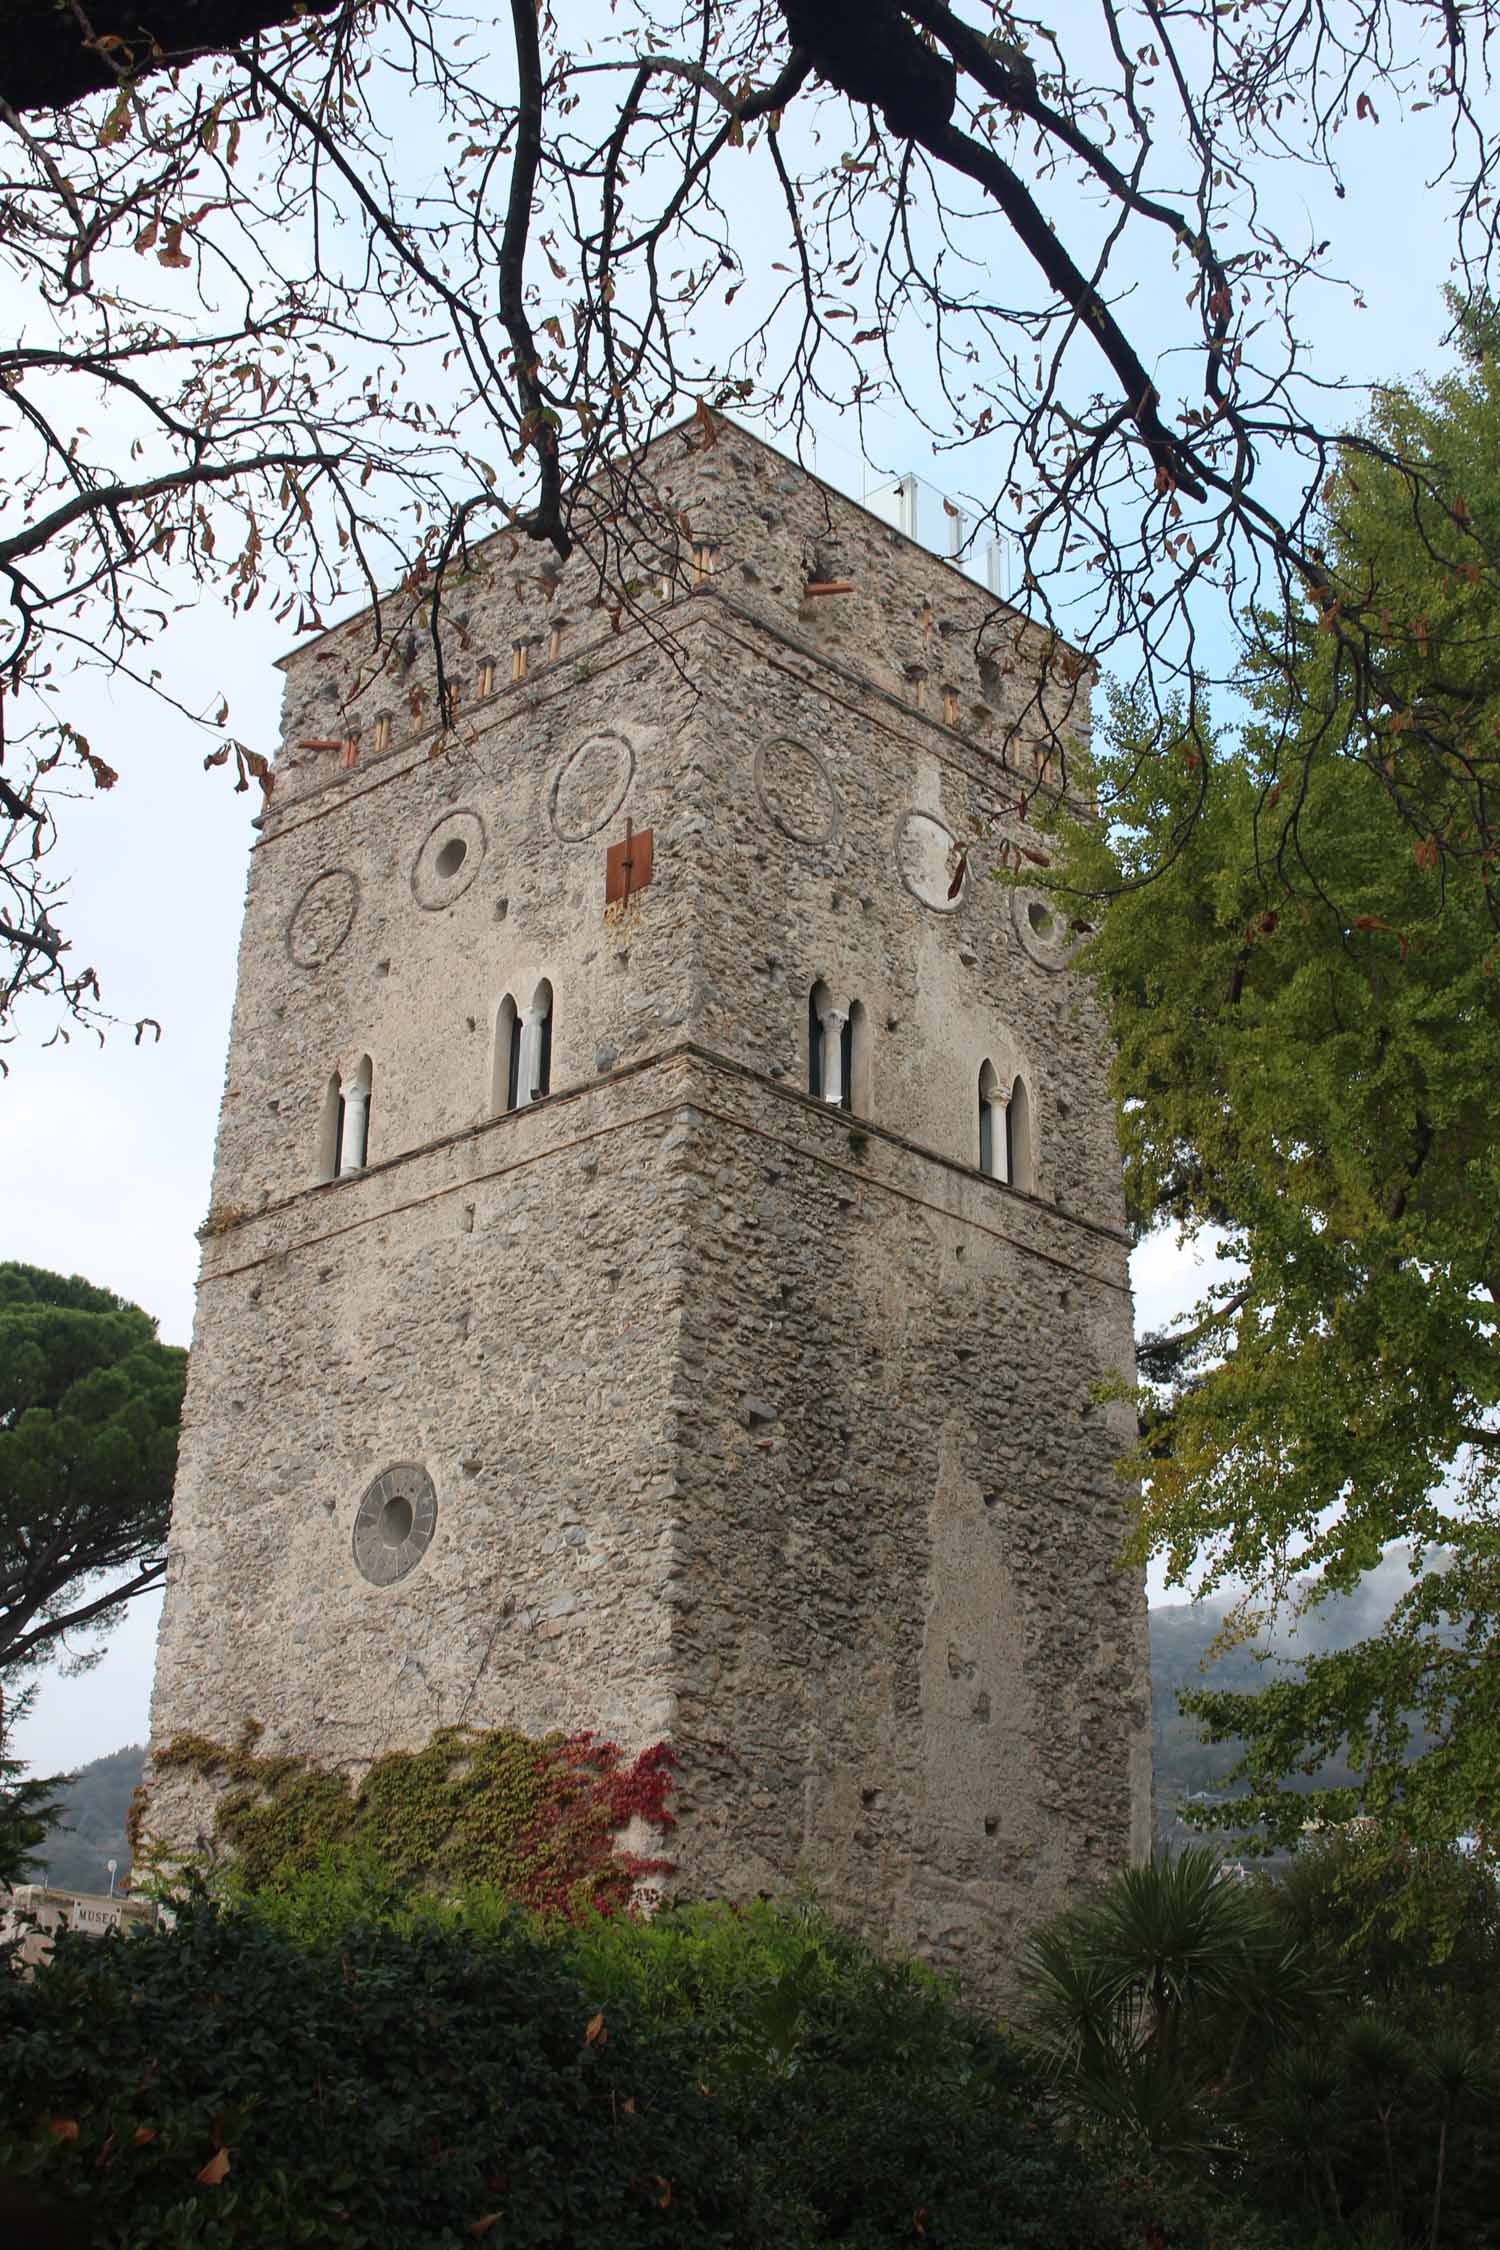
1437,2192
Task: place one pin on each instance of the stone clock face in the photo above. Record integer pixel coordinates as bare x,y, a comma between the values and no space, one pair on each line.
395,1523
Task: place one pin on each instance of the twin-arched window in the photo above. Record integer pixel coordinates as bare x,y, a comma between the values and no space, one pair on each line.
838,1057
523,1050
1005,1136
521,1073
344,1122
837,1073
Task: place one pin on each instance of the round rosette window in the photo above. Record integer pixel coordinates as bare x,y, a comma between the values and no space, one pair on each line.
931,862
322,918
394,1524
1041,923
451,856
589,787
797,792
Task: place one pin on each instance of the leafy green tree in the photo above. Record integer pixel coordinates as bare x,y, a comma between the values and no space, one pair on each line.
89,1407
1347,1896
29,1806
1300,956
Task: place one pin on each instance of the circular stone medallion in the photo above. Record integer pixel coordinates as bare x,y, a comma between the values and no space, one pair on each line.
589,787
394,1526
926,860
797,792
322,918
451,856
1042,929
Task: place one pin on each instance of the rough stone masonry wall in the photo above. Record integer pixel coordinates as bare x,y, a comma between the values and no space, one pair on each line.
908,1662
356,944
503,1310
836,831
493,1299
913,627
747,1422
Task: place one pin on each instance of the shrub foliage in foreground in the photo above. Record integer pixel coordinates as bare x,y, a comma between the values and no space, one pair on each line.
336,2065
1302,2043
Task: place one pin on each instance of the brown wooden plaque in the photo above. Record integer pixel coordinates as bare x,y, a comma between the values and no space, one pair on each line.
627,866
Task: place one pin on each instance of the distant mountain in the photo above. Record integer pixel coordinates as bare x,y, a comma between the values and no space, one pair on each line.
1183,1765
1181,1635
91,1831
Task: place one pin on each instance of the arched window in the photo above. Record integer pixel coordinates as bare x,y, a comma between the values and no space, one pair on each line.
506,1067
353,1133
521,1069
534,1048
994,1131
830,1048
817,1001
331,1129
1020,1151
856,1045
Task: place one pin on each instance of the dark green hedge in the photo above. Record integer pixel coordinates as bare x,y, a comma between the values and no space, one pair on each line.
332,2066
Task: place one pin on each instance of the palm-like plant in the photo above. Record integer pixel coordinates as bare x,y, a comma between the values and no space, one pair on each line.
1298,2121
1460,2074
1292,2040
1382,2066
1146,2002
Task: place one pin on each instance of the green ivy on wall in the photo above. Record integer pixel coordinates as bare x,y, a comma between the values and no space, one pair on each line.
539,1819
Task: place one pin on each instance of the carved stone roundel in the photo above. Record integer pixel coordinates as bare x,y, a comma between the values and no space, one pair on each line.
1042,929
927,854
322,918
590,786
451,856
797,791
394,1524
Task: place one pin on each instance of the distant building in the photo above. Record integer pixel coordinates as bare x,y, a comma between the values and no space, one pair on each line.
35,1912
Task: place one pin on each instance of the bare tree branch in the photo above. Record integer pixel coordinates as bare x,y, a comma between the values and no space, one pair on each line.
258,351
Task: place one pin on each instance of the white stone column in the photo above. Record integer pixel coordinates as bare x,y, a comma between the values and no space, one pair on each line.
356,1129
529,1070
1000,1135
831,1022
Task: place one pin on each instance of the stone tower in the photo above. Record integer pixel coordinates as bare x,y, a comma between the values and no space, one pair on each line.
667,1229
